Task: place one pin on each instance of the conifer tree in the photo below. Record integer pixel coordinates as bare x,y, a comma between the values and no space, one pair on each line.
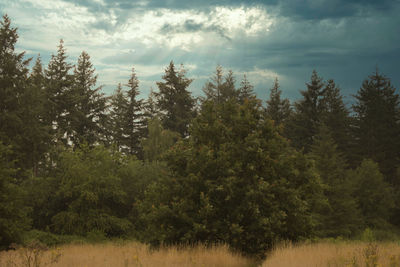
134,117
306,119
246,90
374,196
36,132
175,101
277,109
13,79
335,116
88,105
377,127
220,88
59,95
341,216
118,113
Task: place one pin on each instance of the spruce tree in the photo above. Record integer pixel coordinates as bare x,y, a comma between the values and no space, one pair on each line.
220,89
134,117
87,106
36,132
341,216
117,117
59,95
277,109
335,116
374,196
175,101
377,127
246,90
306,119
13,79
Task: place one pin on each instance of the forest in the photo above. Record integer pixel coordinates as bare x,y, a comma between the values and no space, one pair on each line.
172,169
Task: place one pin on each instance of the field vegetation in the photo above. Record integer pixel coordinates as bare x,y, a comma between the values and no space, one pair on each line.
121,254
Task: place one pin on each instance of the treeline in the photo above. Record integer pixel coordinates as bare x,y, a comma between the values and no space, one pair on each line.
172,169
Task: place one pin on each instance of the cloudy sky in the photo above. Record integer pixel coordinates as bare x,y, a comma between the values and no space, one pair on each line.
342,39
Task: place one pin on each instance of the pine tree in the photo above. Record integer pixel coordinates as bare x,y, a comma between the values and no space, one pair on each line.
118,113
87,106
220,89
212,89
134,116
36,132
335,116
175,101
228,89
13,77
374,196
306,119
377,127
14,220
59,95
246,90
341,216
277,109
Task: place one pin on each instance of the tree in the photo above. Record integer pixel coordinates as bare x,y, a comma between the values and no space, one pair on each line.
246,90
13,83
220,88
175,101
158,140
13,220
60,96
90,193
341,216
134,116
277,109
87,106
377,127
374,196
335,116
234,180
119,106
306,120
36,133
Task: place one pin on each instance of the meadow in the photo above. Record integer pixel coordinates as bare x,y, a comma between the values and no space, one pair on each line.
322,254
124,255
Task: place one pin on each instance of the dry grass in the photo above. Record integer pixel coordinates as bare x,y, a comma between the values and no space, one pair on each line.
130,254
335,254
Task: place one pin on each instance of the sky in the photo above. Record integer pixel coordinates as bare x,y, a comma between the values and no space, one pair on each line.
344,40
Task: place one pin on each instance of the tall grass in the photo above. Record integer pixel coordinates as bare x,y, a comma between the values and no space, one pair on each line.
129,254
356,254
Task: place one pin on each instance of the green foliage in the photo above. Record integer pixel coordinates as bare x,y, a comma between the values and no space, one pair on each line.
246,90
90,194
278,109
87,106
158,140
374,196
235,180
175,101
377,127
306,120
221,89
60,96
127,118
13,212
49,239
341,216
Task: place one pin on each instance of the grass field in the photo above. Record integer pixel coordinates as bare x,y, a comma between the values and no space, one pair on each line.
129,254
331,254
354,254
